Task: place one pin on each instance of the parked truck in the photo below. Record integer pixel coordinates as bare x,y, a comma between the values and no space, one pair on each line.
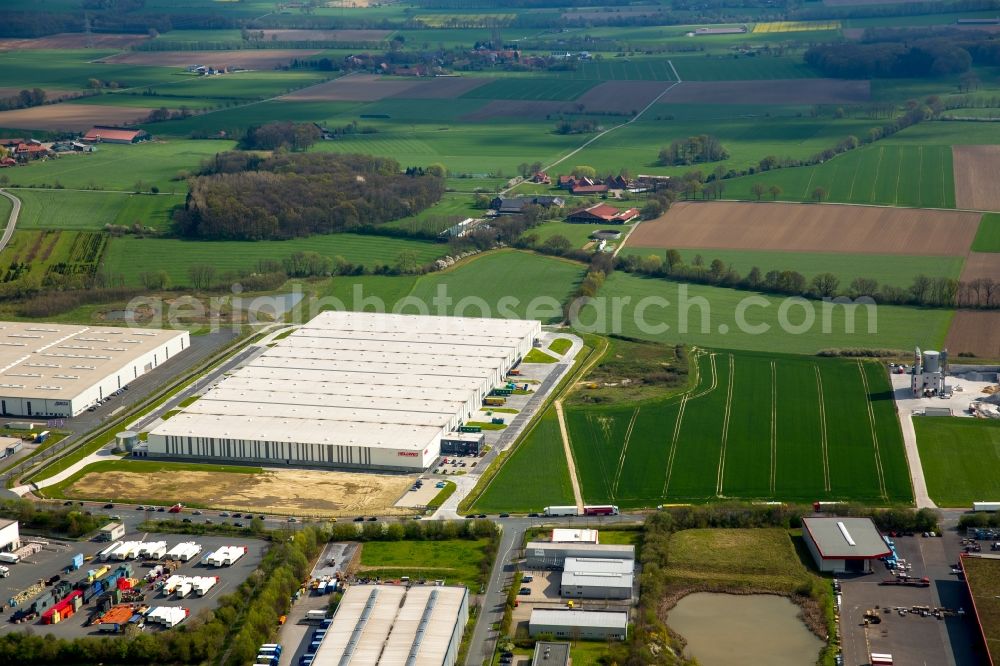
600,510
561,511
986,506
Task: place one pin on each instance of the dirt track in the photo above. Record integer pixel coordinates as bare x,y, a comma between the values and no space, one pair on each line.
976,331
299,492
245,58
370,88
72,40
777,91
809,228
976,183
75,117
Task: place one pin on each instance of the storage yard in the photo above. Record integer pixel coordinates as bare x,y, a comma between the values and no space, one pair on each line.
355,390
71,589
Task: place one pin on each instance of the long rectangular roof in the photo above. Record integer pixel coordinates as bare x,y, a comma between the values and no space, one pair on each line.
392,625
380,357
598,572
349,379
367,367
580,618
319,414
333,320
620,551
59,361
452,339
415,402
320,346
839,538
294,382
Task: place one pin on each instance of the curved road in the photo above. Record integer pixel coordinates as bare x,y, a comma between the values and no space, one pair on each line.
12,221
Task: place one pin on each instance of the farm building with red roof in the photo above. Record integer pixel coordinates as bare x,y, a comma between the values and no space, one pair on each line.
603,214
102,134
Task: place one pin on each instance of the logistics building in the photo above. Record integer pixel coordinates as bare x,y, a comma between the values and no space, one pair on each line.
576,624
392,624
352,389
57,370
844,544
10,538
597,578
547,555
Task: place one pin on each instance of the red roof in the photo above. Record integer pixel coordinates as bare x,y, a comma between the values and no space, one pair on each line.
589,189
30,148
11,142
111,134
606,212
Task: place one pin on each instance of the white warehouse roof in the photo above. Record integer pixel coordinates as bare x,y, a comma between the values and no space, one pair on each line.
346,379
597,572
573,535
580,618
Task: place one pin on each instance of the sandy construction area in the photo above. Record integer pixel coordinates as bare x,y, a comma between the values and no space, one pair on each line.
74,117
371,88
976,183
976,331
515,108
245,58
621,96
73,40
298,492
774,91
809,228
326,35
981,265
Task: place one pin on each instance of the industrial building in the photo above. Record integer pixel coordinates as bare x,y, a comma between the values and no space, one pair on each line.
547,555
574,624
392,625
548,653
597,578
571,535
353,390
927,374
843,544
10,537
57,370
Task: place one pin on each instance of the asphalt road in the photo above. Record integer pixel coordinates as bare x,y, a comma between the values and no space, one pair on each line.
12,220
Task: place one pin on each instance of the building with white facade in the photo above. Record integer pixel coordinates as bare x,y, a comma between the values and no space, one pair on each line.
59,370
844,544
597,578
351,390
579,624
10,537
547,555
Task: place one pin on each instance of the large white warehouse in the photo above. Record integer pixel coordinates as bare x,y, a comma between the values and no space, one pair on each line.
351,389
58,370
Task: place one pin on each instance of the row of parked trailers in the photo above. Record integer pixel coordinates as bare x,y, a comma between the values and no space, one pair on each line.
151,550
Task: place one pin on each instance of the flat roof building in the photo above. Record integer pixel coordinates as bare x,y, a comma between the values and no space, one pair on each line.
597,625
10,537
597,578
550,654
548,555
843,544
568,535
395,625
59,370
355,390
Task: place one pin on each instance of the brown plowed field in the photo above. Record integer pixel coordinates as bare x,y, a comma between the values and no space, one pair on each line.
368,88
72,40
981,265
976,331
777,91
515,108
809,228
73,117
976,182
326,35
621,96
244,58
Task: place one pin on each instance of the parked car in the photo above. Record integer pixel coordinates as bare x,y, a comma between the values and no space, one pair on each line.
524,590
109,505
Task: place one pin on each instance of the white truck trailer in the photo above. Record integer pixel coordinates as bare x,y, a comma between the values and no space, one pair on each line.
562,511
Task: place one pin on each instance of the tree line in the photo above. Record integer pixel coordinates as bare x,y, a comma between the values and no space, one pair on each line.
23,100
246,196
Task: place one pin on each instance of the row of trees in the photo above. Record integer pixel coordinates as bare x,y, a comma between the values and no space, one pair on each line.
24,99
245,196
923,290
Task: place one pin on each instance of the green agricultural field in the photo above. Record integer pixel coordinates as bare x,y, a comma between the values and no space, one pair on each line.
960,457
72,209
755,427
882,173
38,253
988,235
133,99
238,85
532,88
712,310
234,121
122,167
732,67
176,256
535,475
578,234
888,269
457,561
451,209
72,69
630,69
367,293
504,284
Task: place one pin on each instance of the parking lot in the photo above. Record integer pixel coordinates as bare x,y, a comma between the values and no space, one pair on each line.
58,554
544,592
911,638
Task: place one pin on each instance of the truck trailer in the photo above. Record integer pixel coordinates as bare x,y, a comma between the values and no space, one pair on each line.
562,511
986,506
600,510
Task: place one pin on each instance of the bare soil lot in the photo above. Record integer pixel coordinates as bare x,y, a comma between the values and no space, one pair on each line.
72,40
326,35
981,265
976,183
245,59
809,228
298,492
74,117
621,96
515,108
976,331
370,88
777,91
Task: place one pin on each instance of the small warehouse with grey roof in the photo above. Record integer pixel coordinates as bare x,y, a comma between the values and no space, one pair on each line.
354,390
843,544
597,578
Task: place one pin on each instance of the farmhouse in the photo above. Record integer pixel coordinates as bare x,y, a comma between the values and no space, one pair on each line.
541,178
602,214
583,190
515,205
30,151
104,134
61,370
352,389
843,544
393,624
